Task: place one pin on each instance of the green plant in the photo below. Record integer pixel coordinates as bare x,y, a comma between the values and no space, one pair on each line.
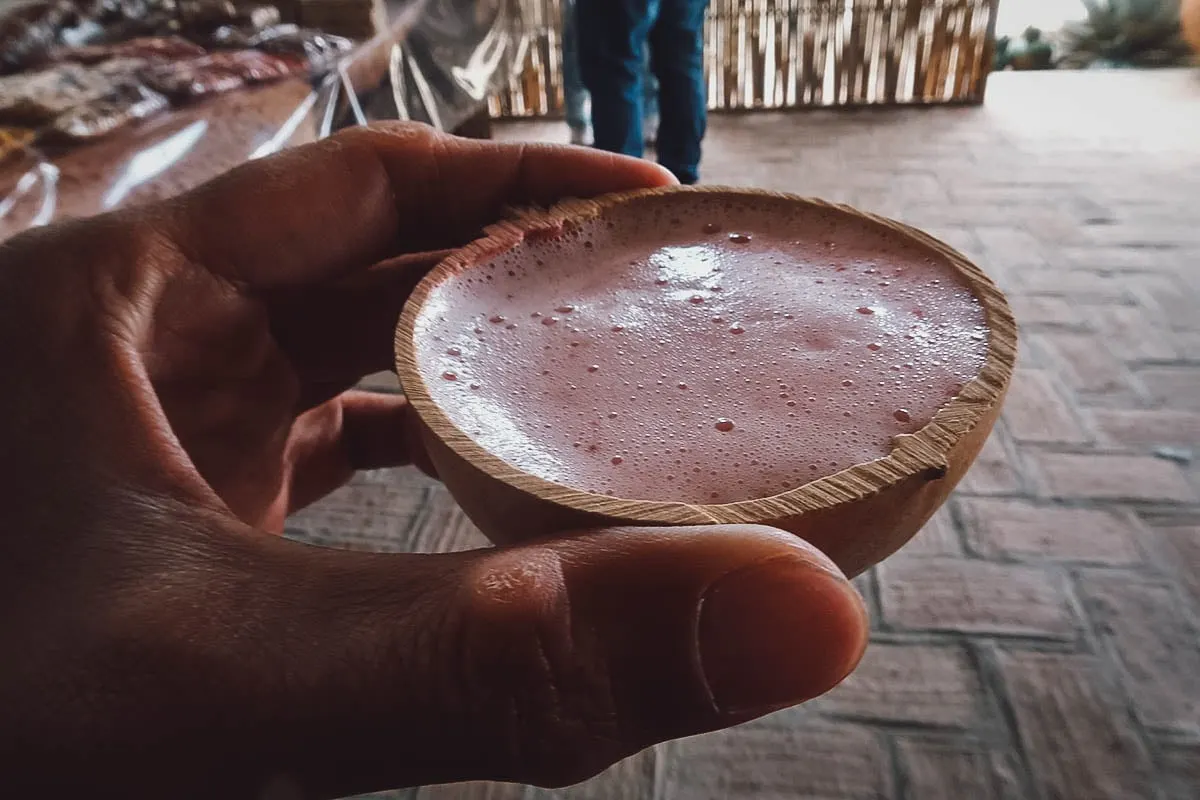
1002,58
1138,33
1032,52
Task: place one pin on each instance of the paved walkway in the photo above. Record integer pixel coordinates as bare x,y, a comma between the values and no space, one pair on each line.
1041,638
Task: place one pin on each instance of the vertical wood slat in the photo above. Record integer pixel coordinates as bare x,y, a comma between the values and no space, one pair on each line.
885,53
987,54
902,55
966,53
729,61
777,27
792,56
921,52
795,53
871,57
935,66
859,23
836,41
825,46
755,42
808,67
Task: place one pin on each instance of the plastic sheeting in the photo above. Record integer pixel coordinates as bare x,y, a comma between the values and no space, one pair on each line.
455,57
437,64
160,157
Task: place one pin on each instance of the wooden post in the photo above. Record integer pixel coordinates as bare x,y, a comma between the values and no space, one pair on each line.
987,55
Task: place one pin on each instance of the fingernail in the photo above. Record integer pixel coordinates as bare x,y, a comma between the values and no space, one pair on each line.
778,633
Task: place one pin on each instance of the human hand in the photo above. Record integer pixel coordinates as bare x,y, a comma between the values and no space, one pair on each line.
178,383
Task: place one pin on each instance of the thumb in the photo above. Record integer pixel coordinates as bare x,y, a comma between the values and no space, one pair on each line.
245,665
547,662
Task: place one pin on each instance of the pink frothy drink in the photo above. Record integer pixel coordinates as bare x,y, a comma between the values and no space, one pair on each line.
708,355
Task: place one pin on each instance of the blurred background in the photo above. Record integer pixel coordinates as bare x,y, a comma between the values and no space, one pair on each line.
1041,637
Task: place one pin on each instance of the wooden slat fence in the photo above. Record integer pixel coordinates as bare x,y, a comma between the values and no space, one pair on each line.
798,53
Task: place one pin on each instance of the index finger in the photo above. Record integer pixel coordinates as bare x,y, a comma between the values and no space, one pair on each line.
322,210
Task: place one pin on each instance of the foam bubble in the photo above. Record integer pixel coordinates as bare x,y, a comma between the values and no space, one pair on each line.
778,382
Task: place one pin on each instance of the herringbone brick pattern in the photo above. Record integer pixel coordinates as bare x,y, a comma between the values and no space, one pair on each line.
1041,637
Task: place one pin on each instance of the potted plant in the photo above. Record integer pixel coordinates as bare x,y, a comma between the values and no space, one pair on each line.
1031,52
1126,33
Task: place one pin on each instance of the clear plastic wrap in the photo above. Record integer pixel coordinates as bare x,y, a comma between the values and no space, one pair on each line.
253,66
320,52
200,16
159,157
122,70
33,99
29,31
436,62
187,80
147,48
125,104
442,73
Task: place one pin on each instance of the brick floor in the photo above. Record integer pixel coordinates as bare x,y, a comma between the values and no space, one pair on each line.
954,770
1041,639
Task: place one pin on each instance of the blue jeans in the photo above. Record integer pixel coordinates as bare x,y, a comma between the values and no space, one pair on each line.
611,58
574,93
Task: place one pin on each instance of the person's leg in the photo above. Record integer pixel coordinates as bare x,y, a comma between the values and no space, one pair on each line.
677,53
611,61
575,96
649,102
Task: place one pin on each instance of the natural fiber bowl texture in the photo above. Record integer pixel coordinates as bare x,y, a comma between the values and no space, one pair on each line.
858,515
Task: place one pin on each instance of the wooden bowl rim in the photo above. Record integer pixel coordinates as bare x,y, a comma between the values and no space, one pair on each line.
924,451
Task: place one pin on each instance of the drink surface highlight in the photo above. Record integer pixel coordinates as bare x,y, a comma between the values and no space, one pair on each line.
706,353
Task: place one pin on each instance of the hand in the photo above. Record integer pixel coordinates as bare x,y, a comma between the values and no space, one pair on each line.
177,383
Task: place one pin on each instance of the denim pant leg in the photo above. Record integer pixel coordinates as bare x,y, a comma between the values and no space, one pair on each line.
574,94
649,90
611,58
677,53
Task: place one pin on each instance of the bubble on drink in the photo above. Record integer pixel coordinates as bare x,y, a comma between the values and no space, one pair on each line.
778,374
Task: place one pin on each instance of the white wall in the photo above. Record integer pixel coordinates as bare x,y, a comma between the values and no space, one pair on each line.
1015,16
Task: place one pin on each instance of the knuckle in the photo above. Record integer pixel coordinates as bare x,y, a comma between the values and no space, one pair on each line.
558,722
378,132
